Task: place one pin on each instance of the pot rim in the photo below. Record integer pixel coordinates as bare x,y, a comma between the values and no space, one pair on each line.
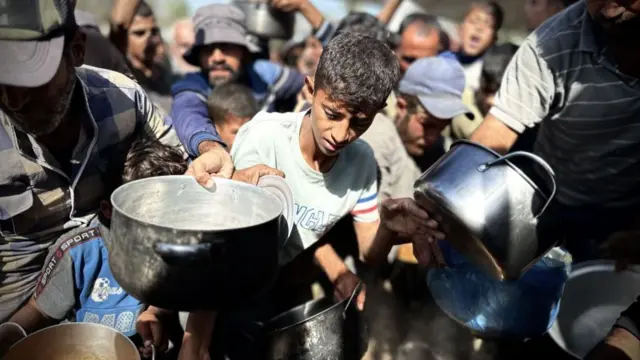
333,306
218,181
582,268
84,324
532,183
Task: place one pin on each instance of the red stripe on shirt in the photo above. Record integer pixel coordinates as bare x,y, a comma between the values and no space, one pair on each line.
364,211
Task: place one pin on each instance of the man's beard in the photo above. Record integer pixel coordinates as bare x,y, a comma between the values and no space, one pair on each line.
220,80
47,123
622,30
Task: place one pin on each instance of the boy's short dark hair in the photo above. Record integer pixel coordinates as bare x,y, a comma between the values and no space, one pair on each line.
358,70
231,98
146,158
149,158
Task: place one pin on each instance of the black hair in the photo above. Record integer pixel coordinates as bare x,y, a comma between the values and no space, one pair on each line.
145,158
367,25
429,22
358,70
494,9
495,63
144,9
231,98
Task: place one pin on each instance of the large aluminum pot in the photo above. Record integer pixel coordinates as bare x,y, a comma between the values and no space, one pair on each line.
177,245
489,207
594,296
320,329
265,21
71,341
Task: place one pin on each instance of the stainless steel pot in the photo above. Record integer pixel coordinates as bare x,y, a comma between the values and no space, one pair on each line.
320,329
489,207
265,21
594,296
70,341
177,245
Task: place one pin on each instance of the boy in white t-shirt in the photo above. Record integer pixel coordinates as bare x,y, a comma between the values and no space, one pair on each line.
330,171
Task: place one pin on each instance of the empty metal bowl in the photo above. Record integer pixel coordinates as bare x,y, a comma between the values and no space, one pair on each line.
594,296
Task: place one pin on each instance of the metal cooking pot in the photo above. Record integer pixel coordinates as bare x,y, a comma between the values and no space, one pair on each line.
594,296
489,207
71,341
176,245
320,329
265,21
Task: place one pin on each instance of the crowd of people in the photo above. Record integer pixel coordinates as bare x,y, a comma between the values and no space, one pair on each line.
350,117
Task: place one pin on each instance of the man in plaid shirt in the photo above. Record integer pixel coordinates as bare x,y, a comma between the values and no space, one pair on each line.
61,123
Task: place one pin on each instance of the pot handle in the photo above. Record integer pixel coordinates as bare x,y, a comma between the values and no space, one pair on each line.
538,160
12,333
176,254
279,187
354,294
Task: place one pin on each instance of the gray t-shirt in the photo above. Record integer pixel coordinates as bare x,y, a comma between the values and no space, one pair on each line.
398,171
321,199
564,79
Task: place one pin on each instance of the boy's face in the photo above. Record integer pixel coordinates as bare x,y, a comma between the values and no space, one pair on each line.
228,129
477,32
334,125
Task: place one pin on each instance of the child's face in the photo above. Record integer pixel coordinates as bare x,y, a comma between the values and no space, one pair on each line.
229,128
477,32
334,127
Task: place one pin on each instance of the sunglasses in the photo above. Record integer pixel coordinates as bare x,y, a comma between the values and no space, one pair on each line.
143,32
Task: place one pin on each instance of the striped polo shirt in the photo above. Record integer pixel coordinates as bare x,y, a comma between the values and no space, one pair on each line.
564,78
39,201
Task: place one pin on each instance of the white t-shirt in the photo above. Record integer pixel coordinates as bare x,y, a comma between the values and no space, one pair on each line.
321,199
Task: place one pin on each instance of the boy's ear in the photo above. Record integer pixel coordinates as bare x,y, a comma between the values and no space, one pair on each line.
309,83
105,209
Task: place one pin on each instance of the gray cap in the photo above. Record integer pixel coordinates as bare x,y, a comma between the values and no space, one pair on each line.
32,39
219,23
438,82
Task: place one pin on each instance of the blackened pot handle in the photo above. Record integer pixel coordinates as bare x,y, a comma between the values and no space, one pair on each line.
176,254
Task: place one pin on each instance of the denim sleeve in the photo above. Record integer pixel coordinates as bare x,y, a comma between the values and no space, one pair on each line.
191,121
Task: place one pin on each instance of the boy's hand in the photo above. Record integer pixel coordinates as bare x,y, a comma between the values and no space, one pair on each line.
197,336
408,220
624,248
345,285
149,326
214,160
253,174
